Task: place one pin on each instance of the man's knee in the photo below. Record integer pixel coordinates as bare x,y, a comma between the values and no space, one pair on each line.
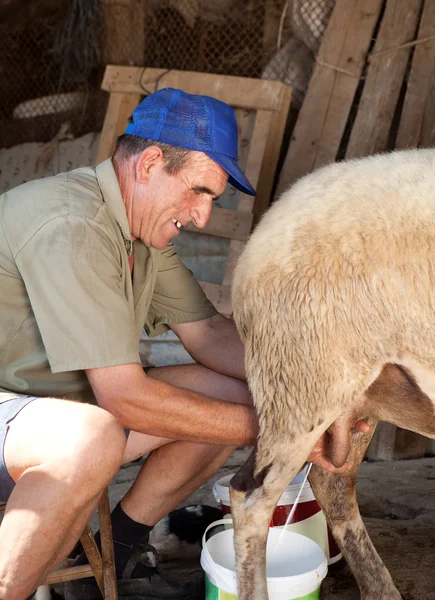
97,441
75,440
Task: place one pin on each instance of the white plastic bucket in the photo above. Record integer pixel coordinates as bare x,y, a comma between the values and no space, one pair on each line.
308,518
295,565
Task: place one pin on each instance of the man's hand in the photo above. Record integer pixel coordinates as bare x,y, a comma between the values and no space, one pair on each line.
332,449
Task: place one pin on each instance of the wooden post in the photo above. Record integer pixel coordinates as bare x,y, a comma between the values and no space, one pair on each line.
120,108
108,556
322,119
271,24
93,555
384,79
418,108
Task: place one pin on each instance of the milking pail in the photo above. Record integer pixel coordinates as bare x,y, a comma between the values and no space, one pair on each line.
308,518
295,565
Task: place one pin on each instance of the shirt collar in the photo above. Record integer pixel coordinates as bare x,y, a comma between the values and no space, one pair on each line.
109,186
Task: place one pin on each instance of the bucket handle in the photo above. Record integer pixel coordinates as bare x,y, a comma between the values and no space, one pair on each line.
217,568
215,524
222,572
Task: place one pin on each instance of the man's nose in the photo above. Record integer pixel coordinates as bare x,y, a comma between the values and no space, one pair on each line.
200,213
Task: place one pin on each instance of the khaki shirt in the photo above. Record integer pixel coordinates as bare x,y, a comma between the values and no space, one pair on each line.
67,300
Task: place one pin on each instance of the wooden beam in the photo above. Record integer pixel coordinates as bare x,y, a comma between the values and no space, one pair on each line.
107,552
255,157
322,119
257,147
69,574
418,109
93,555
427,138
248,93
120,108
269,164
384,79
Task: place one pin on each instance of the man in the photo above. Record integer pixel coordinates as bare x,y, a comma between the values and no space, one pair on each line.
85,264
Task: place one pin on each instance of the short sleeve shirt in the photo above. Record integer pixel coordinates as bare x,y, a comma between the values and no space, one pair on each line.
67,299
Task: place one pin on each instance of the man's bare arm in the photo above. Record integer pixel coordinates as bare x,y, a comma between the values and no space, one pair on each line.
154,407
214,343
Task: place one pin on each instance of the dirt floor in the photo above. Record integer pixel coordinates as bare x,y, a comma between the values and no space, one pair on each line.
397,502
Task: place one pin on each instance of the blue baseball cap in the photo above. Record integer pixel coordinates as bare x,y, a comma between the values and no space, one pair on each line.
193,122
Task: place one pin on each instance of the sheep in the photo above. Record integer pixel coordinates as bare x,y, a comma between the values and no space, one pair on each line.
334,299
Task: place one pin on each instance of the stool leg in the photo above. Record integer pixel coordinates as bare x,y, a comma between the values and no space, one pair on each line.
93,555
108,557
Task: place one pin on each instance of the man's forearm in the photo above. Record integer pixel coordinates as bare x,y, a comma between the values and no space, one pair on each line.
156,408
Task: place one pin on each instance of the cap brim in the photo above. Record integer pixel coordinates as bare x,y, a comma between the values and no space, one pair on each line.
236,176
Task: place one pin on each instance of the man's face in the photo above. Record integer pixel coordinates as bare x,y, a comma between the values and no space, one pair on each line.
165,203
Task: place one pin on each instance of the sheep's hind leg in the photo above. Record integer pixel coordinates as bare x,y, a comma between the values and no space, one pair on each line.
254,494
336,494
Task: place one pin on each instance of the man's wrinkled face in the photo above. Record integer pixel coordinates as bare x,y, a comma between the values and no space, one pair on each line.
164,203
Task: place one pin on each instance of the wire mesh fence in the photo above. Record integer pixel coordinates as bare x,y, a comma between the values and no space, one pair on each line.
52,65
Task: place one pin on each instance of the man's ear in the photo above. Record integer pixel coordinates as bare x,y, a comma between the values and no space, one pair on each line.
148,160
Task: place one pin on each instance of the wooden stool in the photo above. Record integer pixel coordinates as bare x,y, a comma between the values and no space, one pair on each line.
101,566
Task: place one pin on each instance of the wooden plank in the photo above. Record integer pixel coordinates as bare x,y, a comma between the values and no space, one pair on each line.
384,79
219,295
246,120
93,555
243,92
226,223
245,126
257,147
427,138
120,108
256,155
69,574
420,81
269,164
322,119
260,170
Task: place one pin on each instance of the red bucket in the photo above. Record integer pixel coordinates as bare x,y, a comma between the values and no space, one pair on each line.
308,518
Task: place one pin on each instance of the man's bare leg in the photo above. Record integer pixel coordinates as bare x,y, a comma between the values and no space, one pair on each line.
61,455
176,468
172,471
